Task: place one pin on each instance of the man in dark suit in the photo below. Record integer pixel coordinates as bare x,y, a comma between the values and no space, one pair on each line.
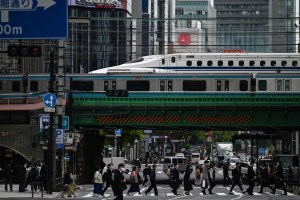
236,177
22,179
108,179
119,182
152,181
175,179
250,176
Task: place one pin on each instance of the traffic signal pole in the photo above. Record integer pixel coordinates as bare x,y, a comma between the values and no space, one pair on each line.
51,149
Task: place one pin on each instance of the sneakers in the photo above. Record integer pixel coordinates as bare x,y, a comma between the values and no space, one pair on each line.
230,192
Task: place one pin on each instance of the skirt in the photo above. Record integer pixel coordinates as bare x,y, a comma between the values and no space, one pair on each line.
98,188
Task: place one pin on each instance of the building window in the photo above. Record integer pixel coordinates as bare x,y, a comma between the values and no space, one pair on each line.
194,85
138,85
34,86
262,85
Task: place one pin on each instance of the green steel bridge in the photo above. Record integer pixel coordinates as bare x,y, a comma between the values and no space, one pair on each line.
179,110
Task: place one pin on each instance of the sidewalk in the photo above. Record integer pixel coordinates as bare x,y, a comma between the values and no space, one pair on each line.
16,194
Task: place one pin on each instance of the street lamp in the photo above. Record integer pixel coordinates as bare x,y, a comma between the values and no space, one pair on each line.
136,148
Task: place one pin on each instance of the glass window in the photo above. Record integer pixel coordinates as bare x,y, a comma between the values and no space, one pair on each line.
243,85
283,63
241,63
226,85
0,86
279,85
209,63
188,63
83,85
163,61
138,85
220,63
295,63
170,85
287,85
262,85
114,85
273,63
173,59
162,85
252,63
199,63
219,85
194,85
106,86
16,87
230,63
34,86
262,63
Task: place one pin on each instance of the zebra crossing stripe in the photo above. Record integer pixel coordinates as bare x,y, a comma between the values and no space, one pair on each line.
221,194
256,193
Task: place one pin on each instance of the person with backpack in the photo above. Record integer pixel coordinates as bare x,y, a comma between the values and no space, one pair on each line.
152,181
134,181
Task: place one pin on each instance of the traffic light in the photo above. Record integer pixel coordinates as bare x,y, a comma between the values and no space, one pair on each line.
117,93
24,51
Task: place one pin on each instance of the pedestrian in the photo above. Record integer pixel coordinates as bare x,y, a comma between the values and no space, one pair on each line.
27,177
22,179
108,178
204,177
279,179
212,177
186,180
67,185
98,183
197,176
34,177
226,178
250,175
119,182
152,181
175,179
134,181
146,173
236,177
44,175
265,180
8,176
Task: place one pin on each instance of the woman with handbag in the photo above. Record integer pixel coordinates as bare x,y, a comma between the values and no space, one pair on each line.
134,181
98,183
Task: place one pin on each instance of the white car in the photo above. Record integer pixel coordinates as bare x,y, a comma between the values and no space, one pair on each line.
244,168
232,163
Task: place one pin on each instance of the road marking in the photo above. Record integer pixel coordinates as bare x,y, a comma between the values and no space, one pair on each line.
221,194
256,193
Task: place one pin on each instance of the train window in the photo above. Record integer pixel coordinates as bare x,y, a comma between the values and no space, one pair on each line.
283,63
241,63
262,63
243,85
16,87
34,86
230,63
170,85
219,85
273,63
106,86
295,63
226,85
262,85
194,85
279,84
252,63
220,63
0,86
114,85
162,85
199,63
209,63
138,85
287,85
173,59
83,85
188,63
163,61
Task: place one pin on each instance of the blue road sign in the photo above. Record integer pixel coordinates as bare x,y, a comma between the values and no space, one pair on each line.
34,19
65,122
50,100
118,132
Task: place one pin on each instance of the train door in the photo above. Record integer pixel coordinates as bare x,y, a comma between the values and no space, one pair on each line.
222,85
283,85
110,85
166,85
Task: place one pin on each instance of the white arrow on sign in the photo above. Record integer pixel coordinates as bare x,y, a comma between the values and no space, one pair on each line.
24,5
50,102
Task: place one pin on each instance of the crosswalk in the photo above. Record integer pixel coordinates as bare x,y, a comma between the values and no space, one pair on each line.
165,191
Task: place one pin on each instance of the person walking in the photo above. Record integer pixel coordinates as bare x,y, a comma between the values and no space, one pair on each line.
197,176
212,177
204,177
67,181
108,179
186,180
152,182
250,175
44,175
119,182
265,180
279,179
236,177
8,176
34,177
134,181
175,179
146,174
22,177
98,183
226,178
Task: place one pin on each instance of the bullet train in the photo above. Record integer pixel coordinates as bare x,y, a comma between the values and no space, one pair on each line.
178,73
